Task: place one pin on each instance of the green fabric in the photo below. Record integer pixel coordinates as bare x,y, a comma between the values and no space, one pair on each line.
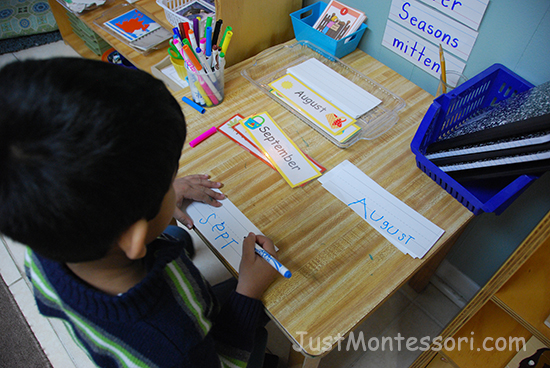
25,17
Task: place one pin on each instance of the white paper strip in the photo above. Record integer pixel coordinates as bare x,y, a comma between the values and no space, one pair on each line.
334,87
420,52
224,227
405,228
434,27
468,12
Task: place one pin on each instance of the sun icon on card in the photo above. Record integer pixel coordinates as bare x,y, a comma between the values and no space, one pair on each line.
286,85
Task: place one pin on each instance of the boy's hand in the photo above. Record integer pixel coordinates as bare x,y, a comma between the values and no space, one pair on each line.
195,188
255,274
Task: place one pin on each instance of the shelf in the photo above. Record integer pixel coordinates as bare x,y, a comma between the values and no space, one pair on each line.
514,303
525,295
439,361
490,322
143,62
79,46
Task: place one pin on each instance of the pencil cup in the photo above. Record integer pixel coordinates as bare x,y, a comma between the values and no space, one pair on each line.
453,80
179,65
207,89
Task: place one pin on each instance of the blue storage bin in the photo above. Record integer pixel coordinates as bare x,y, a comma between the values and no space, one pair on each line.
447,113
303,22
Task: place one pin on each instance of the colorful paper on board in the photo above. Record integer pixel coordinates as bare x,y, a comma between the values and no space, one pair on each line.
313,105
241,137
281,151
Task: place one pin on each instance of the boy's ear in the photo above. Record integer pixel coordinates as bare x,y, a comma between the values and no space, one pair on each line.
132,241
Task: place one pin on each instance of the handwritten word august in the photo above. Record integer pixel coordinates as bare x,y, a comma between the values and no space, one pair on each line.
384,225
219,228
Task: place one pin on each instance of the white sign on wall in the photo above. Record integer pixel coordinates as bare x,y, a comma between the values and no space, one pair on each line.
468,12
434,27
418,51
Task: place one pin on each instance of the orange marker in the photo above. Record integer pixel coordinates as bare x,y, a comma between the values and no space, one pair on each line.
192,57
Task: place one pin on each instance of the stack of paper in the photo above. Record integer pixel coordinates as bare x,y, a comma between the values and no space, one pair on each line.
224,227
325,98
336,88
402,226
78,6
339,20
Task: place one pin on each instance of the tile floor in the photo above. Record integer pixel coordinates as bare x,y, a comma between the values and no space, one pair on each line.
406,313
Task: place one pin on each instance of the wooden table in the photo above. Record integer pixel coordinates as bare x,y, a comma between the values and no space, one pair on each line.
335,283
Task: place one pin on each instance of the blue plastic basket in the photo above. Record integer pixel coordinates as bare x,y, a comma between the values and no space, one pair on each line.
447,113
303,21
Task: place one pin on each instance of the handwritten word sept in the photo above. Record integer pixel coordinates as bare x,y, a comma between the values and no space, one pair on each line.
384,225
219,229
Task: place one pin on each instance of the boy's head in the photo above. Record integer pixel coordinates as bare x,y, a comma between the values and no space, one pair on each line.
86,150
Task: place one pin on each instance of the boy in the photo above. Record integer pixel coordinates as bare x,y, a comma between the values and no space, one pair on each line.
88,156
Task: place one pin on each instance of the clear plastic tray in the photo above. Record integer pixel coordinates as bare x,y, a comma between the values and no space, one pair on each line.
273,63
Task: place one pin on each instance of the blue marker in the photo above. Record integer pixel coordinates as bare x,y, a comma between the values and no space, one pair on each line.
194,105
272,261
208,50
176,33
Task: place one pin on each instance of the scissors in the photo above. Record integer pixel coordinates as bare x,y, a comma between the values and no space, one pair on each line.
173,51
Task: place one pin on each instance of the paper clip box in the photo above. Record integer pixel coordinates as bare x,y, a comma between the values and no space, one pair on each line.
303,21
446,113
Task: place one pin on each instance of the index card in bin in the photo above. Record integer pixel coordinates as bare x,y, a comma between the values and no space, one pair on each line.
273,63
303,21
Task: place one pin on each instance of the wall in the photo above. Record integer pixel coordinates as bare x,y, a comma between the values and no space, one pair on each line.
490,239
513,33
517,35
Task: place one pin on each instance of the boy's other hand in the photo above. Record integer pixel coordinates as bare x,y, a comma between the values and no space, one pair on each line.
255,274
195,188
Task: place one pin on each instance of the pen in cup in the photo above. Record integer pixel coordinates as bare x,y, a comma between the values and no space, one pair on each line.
216,32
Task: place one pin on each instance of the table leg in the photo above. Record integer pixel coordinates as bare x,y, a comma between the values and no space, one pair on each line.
298,360
421,278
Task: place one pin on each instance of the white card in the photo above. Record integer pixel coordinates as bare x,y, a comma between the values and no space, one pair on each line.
336,88
318,110
224,227
405,228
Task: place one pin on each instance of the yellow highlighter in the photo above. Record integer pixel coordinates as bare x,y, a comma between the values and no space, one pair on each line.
203,94
226,41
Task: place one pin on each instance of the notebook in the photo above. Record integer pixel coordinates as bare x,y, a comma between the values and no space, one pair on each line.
134,27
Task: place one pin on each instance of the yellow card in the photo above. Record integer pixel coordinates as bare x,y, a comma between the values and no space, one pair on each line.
312,105
281,151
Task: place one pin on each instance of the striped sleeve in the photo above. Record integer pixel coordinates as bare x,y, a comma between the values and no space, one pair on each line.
92,336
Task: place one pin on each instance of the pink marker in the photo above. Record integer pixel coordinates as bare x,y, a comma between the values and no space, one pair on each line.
208,91
203,136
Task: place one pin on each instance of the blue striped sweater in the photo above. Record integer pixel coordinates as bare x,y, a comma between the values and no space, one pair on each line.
170,319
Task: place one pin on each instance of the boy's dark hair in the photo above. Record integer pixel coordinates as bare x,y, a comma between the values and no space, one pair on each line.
87,149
